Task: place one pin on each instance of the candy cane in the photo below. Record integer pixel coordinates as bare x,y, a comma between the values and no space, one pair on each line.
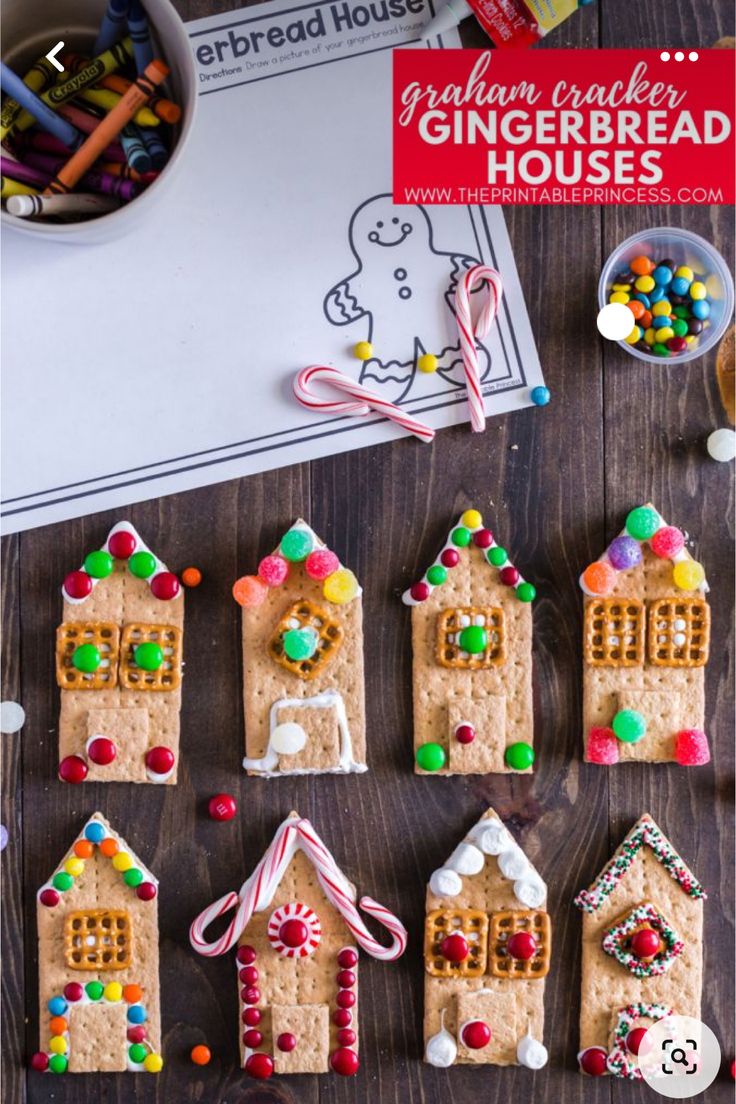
468,333
365,400
257,892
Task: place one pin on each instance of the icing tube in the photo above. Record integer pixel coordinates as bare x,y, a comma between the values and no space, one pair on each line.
506,22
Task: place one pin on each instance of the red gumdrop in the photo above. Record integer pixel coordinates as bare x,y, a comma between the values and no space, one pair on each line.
286,1041
691,748
455,947
273,570
78,584
246,955
509,576
293,933
49,898
345,1062
450,557
420,592
160,760
248,975
634,1038
476,1035
346,1037
146,891
165,586
40,1062
347,958
346,979
72,769
593,1061
251,1017
73,991
667,542
602,746
121,545
252,1038
102,751
321,563
522,945
137,1033
345,999
342,1018
259,1066
644,943
483,538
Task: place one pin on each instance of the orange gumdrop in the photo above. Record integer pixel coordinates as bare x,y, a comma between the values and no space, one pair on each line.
132,994
250,591
642,266
636,307
57,1025
599,578
83,849
109,847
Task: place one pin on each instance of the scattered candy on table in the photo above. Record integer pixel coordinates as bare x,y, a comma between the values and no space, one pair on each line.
191,576
12,717
3,837
201,1055
222,807
540,396
721,445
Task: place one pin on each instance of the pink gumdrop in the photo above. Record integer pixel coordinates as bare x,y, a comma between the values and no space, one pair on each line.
602,746
691,748
667,542
273,570
249,591
321,563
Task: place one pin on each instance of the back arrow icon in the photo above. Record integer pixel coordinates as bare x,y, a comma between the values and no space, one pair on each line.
51,56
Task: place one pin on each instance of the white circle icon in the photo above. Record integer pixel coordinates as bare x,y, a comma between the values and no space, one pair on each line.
679,1057
615,321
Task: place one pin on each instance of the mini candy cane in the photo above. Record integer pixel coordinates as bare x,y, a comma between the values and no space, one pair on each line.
468,334
366,400
257,893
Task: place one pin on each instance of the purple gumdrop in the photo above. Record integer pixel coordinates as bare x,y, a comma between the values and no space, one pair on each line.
624,552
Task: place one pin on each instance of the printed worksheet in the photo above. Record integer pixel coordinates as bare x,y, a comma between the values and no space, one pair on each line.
164,361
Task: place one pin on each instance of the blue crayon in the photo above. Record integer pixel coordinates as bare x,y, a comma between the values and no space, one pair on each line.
112,27
155,148
44,116
136,153
140,36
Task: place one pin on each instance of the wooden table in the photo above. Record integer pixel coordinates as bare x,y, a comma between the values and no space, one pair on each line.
556,485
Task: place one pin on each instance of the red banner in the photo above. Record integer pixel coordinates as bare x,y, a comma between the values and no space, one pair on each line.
564,126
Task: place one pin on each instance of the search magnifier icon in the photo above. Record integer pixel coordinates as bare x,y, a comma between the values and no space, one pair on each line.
678,1055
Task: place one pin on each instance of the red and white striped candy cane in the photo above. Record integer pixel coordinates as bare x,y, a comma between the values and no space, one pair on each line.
364,401
468,333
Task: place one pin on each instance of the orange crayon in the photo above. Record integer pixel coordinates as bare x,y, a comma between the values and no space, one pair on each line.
108,128
165,109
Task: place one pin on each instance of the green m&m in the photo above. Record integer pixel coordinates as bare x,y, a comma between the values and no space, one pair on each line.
98,564
296,545
473,639
62,881
526,592
431,757
94,990
460,537
142,564
300,644
86,658
629,726
148,656
497,555
133,877
437,575
137,1053
58,1063
519,756
642,523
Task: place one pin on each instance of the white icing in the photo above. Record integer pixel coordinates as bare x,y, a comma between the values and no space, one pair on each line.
513,862
269,763
531,1053
530,891
445,883
492,837
140,546
288,738
466,859
152,776
441,1050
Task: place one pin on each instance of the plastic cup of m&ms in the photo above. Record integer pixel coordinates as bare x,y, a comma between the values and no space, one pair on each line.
684,287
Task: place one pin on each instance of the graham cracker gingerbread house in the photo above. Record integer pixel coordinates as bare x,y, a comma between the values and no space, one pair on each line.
487,950
119,665
642,950
303,690
645,646
298,932
98,959
472,658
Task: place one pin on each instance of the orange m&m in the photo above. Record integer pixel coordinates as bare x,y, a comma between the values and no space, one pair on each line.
201,1055
599,578
57,1025
109,847
132,994
83,849
642,266
191,576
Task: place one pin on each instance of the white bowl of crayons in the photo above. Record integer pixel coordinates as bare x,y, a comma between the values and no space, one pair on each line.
86,150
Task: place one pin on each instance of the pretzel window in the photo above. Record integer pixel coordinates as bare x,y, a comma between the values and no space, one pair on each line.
328,634
168,675
470,923
679,632
450,625
614,632
503,926
98,939
104,636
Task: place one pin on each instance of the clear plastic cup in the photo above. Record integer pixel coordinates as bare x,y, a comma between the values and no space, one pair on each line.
686,249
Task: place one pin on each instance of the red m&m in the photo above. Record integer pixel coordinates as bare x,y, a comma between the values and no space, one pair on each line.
345,1062
102,751
634,1039
72,769
222,807
509,576
483,538
146,891
165,586
160,760
121,545
450,557
419,592
465,734
476,1034
259,1066
286,1041
293,933
78,584
454,947
522,945
347,958
644,943
593,1061
49,897
246,955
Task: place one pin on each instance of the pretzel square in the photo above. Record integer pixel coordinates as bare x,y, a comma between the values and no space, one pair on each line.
98,939
105,636
168,676
503,926
679,632
473,924
451,622
306,615
614,632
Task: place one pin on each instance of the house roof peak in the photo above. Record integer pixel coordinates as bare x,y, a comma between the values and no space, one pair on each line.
123,543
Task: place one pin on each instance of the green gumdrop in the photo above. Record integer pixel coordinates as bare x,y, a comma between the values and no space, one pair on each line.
437,575
86,658
94,990
296,545
629,726
142,564
497,556
133,877
148,655
300,644
58,1063
62,881
642,523
461,537
431,757
519,756
98,564
526,592
137,1053
474,639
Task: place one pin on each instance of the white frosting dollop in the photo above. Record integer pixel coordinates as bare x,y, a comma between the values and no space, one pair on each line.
445,883
492,838
530,891
531,1053
441,1049
512,863
466,859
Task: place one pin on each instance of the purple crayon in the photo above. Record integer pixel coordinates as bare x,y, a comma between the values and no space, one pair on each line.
94,179
46,143
26,174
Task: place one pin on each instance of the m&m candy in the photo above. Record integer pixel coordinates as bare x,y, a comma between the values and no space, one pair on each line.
98,564
431,757
165,586
428,363
363,350
222,807
201,1055
142,564
72,769
519,756
122,544
191,576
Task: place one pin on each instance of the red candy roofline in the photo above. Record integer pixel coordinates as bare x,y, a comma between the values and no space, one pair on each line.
168,583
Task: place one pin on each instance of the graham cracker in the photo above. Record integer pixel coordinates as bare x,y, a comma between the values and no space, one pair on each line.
495,1008
322,749
437,690
487,715
682,704
123,599
310,1024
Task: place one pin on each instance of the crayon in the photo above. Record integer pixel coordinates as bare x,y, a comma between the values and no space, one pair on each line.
155,148
93,181
24,206
165,109
139,33
107,62
124,172
86,122
46,143
109,127
136,153
24,174
104,98
112,26
44,116
10,187
39,77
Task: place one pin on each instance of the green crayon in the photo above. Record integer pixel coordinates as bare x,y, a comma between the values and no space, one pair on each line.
39,77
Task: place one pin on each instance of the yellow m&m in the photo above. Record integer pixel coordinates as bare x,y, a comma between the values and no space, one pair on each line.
472,519
122,861
154,1063
428,363
58,1044
363,350
688,574
340,587
74,867
113,991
